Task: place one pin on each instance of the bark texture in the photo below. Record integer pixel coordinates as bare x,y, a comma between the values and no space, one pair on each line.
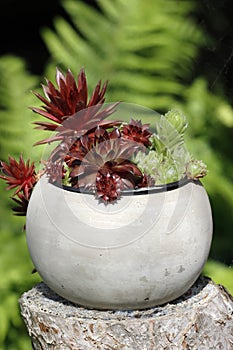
202,319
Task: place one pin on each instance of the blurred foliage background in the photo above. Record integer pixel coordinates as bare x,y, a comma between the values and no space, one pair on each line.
161,57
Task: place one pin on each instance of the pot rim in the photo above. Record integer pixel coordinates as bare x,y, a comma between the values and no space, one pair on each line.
139,191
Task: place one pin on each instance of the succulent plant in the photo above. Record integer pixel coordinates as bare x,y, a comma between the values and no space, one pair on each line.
22,177
70,99
100,155
196,169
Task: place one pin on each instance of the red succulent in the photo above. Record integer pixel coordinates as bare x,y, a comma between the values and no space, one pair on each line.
136,131
115,176
20,175
108,186
97,142
102,163
70,99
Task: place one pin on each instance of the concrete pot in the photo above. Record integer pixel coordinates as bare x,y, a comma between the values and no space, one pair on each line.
145,250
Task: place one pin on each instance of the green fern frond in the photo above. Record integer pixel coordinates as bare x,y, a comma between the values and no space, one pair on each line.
16,128
144,48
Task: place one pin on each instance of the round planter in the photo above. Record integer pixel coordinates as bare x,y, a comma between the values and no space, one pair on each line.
145,250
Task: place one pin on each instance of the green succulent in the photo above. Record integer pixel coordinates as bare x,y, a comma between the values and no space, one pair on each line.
178,120
162,170
196,169
149,163
168,159
169,132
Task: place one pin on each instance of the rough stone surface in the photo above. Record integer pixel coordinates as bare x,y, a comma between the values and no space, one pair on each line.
202,319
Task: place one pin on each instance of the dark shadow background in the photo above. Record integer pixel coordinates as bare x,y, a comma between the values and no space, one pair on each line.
20,24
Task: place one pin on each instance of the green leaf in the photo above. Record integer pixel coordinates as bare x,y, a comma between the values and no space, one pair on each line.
122,41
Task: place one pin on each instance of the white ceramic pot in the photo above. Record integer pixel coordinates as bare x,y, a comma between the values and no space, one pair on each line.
145,250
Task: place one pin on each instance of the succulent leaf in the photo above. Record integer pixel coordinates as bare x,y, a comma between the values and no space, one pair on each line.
196,169
136,131
70,99
178,120
20,175
169,132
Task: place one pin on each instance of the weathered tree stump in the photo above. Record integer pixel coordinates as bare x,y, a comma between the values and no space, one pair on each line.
201,319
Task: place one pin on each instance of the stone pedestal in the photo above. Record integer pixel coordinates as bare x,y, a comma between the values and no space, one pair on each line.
202,319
